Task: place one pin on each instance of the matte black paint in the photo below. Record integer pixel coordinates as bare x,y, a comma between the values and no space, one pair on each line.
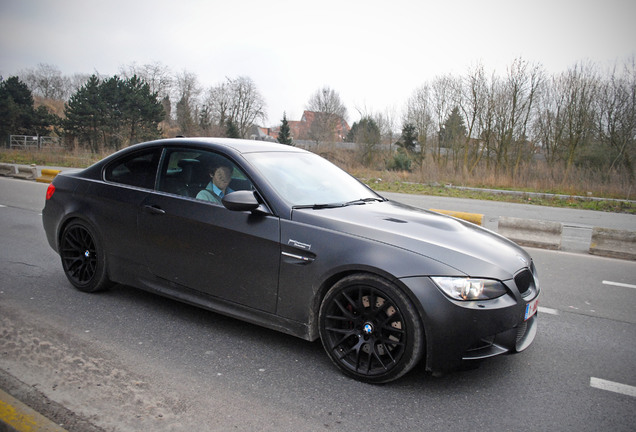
272,266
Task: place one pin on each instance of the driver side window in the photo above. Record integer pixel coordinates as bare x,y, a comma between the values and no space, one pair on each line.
203,175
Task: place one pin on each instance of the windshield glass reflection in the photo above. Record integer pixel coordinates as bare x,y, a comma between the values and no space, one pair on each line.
307,179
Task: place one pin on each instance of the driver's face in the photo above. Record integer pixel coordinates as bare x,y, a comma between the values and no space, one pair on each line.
222,177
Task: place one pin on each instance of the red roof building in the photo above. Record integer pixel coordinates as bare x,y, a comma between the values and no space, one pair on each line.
302,129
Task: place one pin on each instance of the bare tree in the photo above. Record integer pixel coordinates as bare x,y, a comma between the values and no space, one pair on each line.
514,99
157,75
247,104
46,80
237,100
577,89
617,117
444,97
187,108
387,123
419,113
330,113
216,108
472,103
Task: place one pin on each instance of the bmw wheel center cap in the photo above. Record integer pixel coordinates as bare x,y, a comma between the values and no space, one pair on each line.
368,328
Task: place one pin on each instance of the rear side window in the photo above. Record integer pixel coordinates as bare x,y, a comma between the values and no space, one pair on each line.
138,169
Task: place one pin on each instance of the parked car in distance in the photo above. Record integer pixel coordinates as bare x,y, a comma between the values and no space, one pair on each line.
280,237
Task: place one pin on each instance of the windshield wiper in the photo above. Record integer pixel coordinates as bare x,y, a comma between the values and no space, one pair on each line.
364,201
335,205
318,206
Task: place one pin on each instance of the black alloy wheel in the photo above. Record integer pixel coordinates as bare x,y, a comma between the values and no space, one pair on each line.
370,329
83,258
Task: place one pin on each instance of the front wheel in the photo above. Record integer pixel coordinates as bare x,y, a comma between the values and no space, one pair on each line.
83,258
370,329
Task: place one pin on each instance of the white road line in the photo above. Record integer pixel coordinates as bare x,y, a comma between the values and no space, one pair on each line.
548,310
613,386
619,284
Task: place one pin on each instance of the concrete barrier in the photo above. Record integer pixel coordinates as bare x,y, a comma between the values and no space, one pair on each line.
26,172
475,218
47,175
531,232
7,170
613,243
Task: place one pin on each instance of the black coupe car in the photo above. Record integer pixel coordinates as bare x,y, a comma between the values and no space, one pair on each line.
280,237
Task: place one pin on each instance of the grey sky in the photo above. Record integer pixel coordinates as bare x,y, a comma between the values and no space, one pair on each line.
373,53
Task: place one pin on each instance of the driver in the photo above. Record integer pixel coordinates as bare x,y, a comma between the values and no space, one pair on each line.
220,174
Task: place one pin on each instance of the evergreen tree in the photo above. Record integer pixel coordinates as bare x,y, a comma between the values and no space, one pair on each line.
231,131
366,134
83,113
17,113
408,140
141,110
113,113
454,129
365,131
284,134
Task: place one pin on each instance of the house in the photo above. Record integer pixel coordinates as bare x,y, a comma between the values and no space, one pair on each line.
302,129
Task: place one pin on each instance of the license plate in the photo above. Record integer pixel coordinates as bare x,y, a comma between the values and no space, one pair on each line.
531,309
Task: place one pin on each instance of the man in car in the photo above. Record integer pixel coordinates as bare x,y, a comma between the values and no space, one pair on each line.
221,175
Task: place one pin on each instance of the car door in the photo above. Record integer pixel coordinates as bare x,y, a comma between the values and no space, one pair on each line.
204,246
114,203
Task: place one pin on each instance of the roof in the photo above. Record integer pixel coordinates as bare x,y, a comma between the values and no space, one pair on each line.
238,145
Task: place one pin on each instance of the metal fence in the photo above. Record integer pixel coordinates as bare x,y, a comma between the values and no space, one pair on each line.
27,142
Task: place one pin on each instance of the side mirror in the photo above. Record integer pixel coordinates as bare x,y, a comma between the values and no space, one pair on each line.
242,200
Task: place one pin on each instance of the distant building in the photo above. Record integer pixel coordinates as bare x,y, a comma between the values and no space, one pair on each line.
302,129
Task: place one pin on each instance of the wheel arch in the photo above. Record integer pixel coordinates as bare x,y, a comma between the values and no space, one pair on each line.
339,275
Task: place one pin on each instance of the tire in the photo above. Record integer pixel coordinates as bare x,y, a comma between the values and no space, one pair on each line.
370,329
83,258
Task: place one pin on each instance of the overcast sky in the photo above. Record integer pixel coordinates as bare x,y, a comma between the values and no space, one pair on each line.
373,53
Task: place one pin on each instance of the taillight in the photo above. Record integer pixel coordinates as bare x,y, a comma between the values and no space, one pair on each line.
50,191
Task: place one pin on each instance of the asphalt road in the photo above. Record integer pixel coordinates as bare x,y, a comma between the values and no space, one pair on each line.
126,360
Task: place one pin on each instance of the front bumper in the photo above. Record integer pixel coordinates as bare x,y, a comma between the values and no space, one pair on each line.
472,330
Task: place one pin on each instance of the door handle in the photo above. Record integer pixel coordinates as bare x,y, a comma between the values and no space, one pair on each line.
154,210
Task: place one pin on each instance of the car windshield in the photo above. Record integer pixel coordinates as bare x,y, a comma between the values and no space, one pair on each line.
306,179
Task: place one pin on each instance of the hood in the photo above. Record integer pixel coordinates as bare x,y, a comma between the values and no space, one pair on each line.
472,250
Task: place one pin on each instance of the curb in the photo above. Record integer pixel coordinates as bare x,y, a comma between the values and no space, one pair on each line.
17,417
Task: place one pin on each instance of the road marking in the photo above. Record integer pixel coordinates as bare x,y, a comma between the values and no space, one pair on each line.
613,386
548,310
619,284
18,417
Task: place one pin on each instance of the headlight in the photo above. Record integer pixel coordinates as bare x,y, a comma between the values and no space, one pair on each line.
470,289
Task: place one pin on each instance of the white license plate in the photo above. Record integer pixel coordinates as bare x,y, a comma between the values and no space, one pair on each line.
531,309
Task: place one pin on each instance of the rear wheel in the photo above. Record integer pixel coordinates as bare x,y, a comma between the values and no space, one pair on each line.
370,329
83,258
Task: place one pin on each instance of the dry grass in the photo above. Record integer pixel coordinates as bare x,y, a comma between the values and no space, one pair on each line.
530,177
58,158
